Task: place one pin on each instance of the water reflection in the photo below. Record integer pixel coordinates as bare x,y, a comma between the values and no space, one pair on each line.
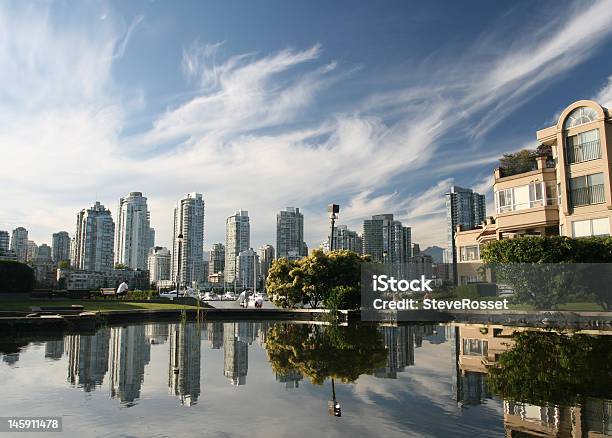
542,383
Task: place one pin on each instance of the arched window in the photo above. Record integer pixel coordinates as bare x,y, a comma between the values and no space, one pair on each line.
580,116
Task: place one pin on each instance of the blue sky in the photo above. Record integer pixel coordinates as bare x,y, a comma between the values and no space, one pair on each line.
378,106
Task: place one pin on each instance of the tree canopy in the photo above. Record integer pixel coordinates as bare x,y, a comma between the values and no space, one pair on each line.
312,279
523,160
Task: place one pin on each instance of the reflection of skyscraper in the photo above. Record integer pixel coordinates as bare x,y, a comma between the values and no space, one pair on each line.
54,349
156,332
399,342
184,366
87,359
214,331
291,379
129,353
235,355
246,332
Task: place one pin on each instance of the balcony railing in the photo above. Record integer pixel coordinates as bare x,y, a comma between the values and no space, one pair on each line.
591,150
588,195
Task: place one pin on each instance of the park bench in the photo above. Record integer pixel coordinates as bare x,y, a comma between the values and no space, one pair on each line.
108,292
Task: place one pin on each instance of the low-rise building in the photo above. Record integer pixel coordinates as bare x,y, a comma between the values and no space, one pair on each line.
77,279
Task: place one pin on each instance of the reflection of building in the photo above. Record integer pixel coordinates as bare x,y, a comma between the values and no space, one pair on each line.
184,365
54,349
291,379
593,420
214,331
87,358
129,353
477,349
235,355
156,333
399,343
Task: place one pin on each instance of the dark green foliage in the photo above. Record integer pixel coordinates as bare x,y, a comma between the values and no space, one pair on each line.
343,297
322,352
16,277
536,268
553,368
523,160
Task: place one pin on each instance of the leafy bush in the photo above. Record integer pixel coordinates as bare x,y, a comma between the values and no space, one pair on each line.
16,277
532,265
343,297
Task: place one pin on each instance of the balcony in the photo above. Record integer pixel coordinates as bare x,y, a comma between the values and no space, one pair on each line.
591,150
588,195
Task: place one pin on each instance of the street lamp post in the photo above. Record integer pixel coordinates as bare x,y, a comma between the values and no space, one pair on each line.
333,210
178,265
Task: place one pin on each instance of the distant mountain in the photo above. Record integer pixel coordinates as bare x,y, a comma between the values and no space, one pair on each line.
436,253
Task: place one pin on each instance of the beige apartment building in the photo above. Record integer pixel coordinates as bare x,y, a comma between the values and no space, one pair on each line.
568,195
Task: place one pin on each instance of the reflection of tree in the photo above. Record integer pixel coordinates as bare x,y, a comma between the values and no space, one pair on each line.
321,352
554,368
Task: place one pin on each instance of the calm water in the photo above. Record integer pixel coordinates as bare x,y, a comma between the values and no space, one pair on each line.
273,379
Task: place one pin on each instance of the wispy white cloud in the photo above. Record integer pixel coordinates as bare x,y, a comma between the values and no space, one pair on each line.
251,134
604,95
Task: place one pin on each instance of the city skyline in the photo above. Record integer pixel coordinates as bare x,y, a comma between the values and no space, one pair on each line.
274,102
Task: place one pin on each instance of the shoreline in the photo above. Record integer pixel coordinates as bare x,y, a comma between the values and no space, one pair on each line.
89,320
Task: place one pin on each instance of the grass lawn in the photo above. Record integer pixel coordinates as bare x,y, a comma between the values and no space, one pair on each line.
92,305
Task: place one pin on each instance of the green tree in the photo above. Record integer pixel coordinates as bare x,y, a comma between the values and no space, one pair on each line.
64,264
537,268
16,277
281,285
523,160
311,279
554,368
322,352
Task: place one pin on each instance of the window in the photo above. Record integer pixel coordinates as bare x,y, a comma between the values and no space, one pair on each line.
591,227
504,200
470,253
584,146
551,193
475,347
522,197
580,116
587,190
536,195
